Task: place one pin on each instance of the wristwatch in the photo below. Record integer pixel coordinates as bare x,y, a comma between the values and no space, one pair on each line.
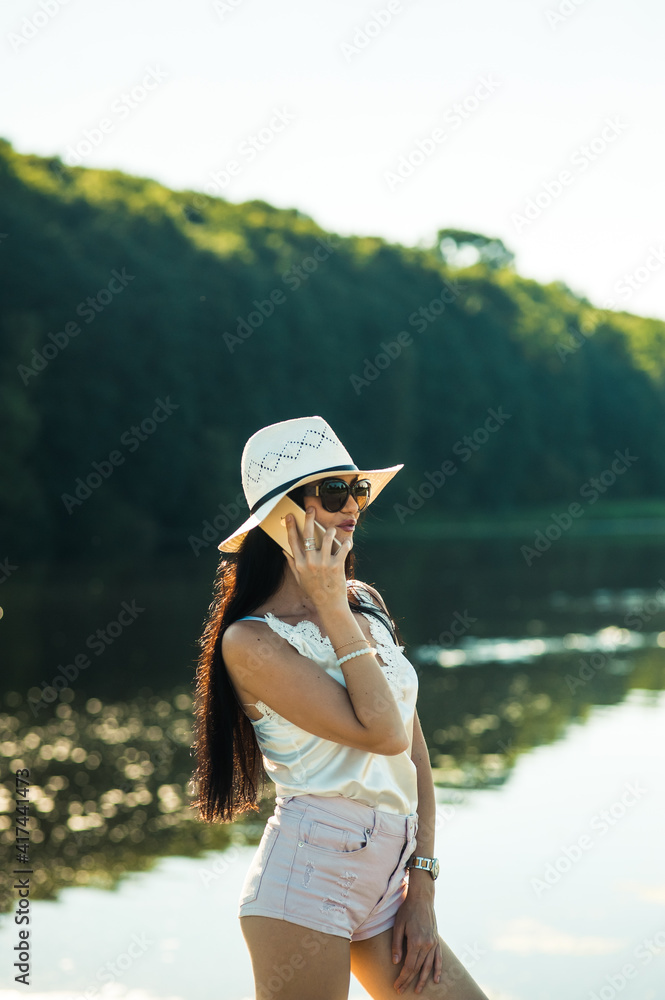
430,865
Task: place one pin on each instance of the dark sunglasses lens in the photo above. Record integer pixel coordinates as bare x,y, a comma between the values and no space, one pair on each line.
334,494
361,493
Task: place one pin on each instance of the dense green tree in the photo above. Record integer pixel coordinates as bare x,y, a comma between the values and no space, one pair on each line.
164,327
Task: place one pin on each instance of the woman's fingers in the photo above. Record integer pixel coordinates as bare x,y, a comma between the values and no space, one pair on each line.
424,973
326,543
294,544
316,570
438,961
420,961
297,542
409,969
309,526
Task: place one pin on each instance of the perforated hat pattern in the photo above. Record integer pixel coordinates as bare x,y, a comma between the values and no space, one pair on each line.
257,470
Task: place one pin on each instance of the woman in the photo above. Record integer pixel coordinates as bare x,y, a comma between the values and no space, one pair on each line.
301,675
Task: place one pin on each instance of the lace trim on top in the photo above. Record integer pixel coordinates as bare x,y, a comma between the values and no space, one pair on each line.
390,654
310,634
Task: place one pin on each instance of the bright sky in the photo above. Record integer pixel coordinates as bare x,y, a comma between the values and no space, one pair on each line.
538,121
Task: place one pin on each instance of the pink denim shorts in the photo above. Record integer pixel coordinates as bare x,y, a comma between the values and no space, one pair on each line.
330,863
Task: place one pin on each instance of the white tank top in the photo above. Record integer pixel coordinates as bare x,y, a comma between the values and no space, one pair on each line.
300,763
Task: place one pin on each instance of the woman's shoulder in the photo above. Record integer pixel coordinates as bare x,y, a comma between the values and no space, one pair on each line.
243,631
364,589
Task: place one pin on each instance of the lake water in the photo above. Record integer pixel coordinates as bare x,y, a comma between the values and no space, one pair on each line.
542,702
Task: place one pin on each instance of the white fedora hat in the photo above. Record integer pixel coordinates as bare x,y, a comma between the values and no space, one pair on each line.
281,456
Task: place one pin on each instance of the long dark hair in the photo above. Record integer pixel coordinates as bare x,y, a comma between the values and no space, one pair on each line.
229,762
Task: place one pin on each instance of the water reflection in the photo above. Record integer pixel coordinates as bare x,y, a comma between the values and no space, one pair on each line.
506,650
109,755
111,784
110,789
478,720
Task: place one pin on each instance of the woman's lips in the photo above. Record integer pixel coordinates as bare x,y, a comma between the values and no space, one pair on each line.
348,526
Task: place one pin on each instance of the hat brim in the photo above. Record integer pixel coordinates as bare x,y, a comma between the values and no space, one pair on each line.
378,478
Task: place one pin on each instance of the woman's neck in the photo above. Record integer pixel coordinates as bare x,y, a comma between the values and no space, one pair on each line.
290,600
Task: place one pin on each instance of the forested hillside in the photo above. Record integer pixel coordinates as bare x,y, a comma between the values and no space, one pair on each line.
146,333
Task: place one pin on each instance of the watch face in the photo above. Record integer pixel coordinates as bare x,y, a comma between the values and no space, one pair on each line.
435,868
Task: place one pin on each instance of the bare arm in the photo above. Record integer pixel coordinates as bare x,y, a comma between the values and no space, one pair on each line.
364,714
421,881
415,931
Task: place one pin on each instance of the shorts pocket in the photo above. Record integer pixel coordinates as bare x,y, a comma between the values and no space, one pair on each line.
333,837
252,883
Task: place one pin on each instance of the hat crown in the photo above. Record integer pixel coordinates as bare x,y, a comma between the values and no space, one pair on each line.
280,454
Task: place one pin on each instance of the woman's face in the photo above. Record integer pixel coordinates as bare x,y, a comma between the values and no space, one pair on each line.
343,520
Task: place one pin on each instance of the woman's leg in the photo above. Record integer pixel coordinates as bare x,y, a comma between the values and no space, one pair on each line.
292,962
373,967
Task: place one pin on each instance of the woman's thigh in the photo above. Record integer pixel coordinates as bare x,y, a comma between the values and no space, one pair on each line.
290,961
373,967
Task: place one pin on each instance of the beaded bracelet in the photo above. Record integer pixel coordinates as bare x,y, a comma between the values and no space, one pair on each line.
358,652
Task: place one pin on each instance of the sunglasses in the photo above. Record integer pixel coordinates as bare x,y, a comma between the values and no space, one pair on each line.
334,493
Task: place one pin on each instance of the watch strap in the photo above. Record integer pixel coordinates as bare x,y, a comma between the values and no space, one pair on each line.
425,864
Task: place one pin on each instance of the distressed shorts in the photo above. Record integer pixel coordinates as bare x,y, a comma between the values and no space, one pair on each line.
330,863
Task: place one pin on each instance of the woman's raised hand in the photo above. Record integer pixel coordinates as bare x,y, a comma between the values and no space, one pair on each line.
317,571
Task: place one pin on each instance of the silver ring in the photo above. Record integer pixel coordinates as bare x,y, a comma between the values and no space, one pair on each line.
310,543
